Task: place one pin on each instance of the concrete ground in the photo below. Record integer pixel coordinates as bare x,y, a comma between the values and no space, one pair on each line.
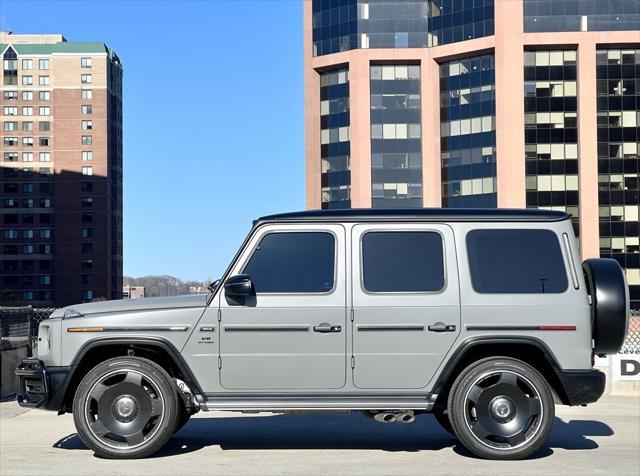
603,438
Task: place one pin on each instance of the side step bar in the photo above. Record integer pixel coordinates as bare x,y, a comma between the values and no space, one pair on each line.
244,403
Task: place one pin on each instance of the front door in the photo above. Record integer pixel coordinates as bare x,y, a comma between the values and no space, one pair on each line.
292,334
406,303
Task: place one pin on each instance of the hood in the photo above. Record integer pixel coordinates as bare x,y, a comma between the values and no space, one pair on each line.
141,304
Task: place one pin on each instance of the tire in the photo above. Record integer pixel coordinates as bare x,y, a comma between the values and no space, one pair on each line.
609,293
443,419
501,408
183,417
126,407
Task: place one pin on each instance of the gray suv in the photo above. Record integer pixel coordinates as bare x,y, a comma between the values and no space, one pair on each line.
485,318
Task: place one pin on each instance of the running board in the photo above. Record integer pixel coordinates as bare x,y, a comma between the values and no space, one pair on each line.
239,403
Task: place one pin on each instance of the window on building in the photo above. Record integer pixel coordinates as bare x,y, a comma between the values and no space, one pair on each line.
402,262
27,234
44,95
10,156
10,111
10,95
87,233
45,171
516,261
87,155
27,156
27,64
45,156
85,62
87,186
43,63
44,187
87,94
87,248
87,218
27,141
44,126
43,80
87,202
27,126
44,141
45,233
87,170
27,80
27,95
86,79
87,279
87,263
293,263
10,126
27,111
27,188
45,280
87,140
87,125
10,141
87,109
87,295
45,111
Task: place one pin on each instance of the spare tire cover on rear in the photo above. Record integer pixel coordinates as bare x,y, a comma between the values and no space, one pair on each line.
610,303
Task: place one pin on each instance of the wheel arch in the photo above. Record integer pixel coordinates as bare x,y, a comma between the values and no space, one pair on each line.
530,350
94,351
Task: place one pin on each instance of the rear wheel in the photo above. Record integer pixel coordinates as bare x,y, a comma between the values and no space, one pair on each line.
501,408
126,407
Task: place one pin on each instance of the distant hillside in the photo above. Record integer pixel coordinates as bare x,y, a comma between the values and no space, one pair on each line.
155,286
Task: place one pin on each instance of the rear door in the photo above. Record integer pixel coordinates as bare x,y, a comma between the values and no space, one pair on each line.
406,303
292,336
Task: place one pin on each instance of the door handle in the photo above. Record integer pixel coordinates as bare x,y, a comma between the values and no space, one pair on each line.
442,327
325,327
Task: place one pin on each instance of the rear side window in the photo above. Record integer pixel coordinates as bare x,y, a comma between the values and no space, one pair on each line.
402,261
293,263
516,261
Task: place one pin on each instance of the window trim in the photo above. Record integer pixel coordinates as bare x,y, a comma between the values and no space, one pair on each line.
261,236
560,250
445,283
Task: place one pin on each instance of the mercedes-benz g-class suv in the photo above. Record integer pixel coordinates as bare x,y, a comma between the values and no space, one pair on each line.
486,318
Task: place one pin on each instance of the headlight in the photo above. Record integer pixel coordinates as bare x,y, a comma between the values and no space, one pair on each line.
44,339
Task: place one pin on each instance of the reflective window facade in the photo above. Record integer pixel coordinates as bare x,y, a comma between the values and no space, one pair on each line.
340,25
467,128
334,139
551,130
581,15
617,73
396,146
451,21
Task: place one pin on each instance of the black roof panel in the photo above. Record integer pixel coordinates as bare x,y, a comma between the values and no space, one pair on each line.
420,214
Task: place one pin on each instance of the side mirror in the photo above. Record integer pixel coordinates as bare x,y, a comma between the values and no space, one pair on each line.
238,287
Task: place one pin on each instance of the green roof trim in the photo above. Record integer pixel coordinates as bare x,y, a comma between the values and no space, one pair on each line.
62,47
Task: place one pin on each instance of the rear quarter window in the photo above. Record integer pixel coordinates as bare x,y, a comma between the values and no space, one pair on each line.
516,261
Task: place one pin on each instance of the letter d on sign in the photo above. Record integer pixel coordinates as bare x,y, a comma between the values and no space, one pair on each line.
629,367
626,367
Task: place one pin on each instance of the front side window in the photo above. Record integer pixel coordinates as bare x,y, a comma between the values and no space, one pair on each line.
402,261
293,263
516,261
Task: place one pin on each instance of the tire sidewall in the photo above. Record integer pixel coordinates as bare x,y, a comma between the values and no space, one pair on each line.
457,406
165,387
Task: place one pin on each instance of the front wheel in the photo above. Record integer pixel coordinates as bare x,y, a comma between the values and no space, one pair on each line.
501,408
126,407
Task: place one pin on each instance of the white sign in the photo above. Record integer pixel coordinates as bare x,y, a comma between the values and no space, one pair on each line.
626,367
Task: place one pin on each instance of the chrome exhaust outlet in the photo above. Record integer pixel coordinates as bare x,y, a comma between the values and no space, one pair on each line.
385,417
406,417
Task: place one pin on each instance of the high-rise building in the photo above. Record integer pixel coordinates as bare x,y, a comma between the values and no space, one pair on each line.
61,171
479,103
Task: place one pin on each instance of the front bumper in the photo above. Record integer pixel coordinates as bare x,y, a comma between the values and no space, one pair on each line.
582,386
41,387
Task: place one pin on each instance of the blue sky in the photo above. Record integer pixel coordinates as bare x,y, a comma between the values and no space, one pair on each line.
213,118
